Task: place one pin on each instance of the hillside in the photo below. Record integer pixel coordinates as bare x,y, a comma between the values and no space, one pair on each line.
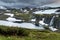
10,33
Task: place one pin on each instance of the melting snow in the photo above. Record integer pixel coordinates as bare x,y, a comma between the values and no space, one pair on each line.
46,11
22,25
9,14
12,19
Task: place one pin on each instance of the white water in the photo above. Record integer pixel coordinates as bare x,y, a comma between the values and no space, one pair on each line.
42,22
51,23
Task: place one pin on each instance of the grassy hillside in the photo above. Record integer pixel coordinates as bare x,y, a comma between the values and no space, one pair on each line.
11,33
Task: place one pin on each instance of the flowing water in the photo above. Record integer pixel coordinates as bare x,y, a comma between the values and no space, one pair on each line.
52,20
51,23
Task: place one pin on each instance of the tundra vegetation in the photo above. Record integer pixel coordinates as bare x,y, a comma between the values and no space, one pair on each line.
15,33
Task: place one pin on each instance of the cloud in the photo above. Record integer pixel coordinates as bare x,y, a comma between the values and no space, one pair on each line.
25,2
55,4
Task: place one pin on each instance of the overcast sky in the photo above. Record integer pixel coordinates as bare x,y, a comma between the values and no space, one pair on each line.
26,2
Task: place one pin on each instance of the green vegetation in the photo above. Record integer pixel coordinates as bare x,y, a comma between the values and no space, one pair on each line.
3,17
4,30
15,33
25,17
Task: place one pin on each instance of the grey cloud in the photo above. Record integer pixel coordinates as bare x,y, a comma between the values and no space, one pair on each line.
25,2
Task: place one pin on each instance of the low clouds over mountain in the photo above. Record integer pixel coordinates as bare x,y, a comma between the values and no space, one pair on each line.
17,3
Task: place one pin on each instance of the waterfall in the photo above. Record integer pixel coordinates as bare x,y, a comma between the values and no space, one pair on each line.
42,22
51,23
43,19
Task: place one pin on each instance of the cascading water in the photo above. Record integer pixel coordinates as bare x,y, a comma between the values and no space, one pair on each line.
51,23
43,19
42,22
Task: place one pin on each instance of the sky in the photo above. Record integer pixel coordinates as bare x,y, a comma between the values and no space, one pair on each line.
54,4
18,3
